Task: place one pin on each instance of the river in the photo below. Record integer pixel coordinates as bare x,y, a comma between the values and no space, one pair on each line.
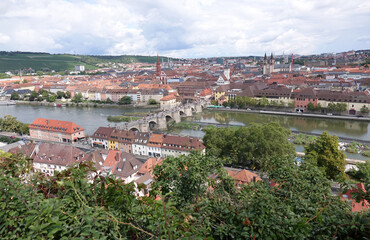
92,118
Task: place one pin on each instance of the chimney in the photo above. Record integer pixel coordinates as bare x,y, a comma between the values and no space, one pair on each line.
117,156
254,178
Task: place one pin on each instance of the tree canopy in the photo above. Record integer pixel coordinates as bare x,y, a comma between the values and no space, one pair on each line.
11,124
251,146
125,100
325,154
193,204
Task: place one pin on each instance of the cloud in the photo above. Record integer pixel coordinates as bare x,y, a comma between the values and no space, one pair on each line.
191,28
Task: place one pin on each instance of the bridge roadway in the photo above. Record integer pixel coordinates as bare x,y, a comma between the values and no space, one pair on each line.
159,120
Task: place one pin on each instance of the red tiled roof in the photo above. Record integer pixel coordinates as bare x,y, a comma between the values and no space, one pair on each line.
168,97
55,125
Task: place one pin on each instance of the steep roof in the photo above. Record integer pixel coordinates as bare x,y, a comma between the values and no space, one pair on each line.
55,125
58,154
182,143
168,97
149,165
155,140
103,133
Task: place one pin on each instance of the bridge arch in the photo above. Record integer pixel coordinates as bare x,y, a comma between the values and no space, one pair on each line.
182,113
152,124
134,129
169,118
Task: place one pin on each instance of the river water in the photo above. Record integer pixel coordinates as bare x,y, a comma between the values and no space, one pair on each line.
92,118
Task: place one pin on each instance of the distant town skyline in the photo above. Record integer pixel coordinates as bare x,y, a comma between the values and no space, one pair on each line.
186,29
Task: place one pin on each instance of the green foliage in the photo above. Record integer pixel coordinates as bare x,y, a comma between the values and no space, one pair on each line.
11,124
364,109
185,125
362,174
184,179
33,96
60,94
311,107
51,98
121,118
337,107
9,140
14,96
325,154
152,102
303,139
77,98
125,100
251,146
263,101
366,153
193,206
352,147
67,95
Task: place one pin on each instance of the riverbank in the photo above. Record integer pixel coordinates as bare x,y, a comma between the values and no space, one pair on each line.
88,104
341,117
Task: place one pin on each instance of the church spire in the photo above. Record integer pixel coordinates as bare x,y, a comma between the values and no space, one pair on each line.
158,70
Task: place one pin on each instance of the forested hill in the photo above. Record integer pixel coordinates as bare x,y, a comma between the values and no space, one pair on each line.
10,61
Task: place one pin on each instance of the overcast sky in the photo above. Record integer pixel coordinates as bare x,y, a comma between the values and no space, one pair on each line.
184,28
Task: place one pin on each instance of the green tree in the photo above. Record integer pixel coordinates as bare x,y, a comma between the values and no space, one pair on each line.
33,96
231,103
263,101
253,146
364,109
325,154
67,95
341,107
60,94
125,100
311,107
152,102
185,177
11,124
362,174
14,96
77,98
52,98
318,107
109,100
337,107
70,205
225,104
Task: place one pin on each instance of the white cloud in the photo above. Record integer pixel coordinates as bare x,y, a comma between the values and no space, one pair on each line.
192,28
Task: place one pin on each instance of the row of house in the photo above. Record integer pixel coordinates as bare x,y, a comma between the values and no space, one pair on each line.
299,97
145,143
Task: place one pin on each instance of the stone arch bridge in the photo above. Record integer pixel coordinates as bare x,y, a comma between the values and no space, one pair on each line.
159,120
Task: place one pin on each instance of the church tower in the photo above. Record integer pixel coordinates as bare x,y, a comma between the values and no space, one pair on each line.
272,64
265,65
158,70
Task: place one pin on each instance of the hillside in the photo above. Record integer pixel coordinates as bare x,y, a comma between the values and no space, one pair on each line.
10,61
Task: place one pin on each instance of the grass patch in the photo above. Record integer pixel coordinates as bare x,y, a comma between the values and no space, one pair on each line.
353,147
9,140
303,139
366,153
186,125
121,118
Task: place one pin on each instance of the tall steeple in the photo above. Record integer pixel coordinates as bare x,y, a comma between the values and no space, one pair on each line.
158,71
